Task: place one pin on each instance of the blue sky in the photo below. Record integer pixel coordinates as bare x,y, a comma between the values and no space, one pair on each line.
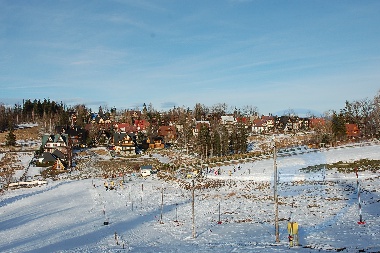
275,55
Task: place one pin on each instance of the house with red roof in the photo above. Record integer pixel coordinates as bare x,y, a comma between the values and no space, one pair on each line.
125,127
263,125
352,131
316,122
259,126
141,125
168,133
198,125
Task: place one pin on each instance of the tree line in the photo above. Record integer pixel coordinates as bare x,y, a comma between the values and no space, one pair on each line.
31,111
212,138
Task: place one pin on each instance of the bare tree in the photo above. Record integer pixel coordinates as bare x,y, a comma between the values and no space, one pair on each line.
200,112
218,110
366,108
290,112
375,116
249,110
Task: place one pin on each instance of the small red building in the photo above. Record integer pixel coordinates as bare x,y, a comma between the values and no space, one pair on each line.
352,131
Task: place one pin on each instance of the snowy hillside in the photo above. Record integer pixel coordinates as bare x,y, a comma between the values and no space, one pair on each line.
152,215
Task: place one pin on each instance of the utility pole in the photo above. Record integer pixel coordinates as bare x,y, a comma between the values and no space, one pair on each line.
162,203
193,211
219,221
176,212
275,190
360,222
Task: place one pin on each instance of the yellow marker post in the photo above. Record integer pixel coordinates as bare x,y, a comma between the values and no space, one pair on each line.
293,233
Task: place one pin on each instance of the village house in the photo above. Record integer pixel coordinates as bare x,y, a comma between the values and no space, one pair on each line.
259,126
198,125
101,119
146,170
352,131
61,142
269,122
168,133
56,147
227,120
141,125
244,120
263,125
156,143
77,135
125,127
124,144
316,123
284,124
291,124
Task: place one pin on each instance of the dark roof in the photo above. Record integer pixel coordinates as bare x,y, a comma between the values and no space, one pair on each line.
48,157
75,131
58,154
54,138
146,167
120,136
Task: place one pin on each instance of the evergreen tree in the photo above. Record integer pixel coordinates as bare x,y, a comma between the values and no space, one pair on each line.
216,143
144,112
64,118
233,141
242,138
204,139
11,138
224,141
338,126
186,134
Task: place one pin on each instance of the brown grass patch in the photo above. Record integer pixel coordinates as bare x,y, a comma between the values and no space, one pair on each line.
243,221
23,134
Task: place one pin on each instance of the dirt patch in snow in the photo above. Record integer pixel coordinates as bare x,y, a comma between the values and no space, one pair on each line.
22,134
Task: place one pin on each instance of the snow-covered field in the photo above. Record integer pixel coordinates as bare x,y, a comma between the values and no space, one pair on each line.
69,215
